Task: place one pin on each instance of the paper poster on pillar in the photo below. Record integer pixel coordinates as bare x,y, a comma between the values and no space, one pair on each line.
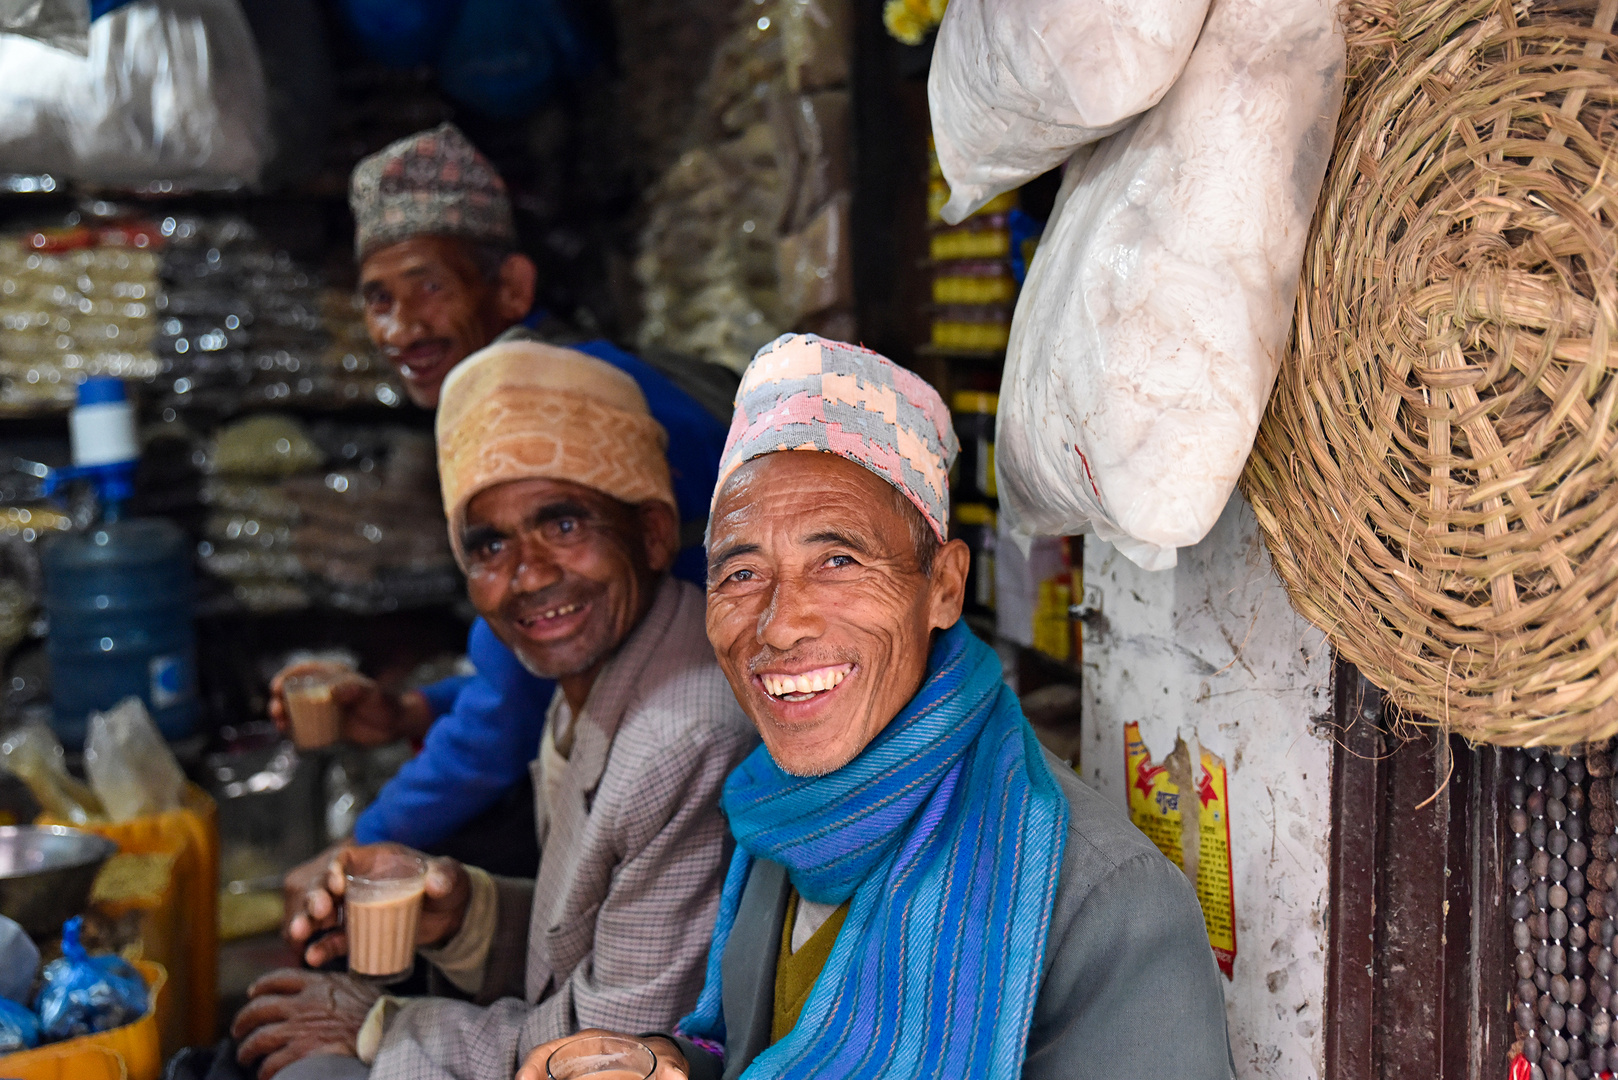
1193,833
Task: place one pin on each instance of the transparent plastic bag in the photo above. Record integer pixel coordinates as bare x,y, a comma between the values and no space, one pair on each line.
130,766
82,994
33,753
171,91
61,24
1016,86
1149,332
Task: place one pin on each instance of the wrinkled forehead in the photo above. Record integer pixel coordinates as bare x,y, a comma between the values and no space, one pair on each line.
799,493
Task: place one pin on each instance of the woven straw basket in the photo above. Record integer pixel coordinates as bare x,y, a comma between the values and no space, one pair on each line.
1436,475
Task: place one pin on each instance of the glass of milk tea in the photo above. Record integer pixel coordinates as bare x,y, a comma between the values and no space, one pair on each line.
601,1057
316,718
381,908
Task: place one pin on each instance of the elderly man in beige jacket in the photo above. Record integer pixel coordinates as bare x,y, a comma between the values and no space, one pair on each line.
561,512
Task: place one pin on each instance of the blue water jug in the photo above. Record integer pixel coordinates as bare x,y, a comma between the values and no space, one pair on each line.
119,601
118,595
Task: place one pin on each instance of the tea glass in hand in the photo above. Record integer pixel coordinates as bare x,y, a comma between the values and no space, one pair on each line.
601,1057
316,718
381,909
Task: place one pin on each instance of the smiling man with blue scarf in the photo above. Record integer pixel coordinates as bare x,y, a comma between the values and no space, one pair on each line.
918,889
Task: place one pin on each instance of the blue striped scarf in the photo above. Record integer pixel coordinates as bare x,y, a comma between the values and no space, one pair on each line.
947,832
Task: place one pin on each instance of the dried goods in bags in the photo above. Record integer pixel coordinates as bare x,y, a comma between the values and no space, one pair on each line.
1016,86
1151,326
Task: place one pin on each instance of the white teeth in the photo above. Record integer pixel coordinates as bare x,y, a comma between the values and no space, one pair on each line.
799,687
555,613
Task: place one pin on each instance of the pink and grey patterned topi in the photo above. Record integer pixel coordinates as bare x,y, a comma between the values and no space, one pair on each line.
433,183
802,392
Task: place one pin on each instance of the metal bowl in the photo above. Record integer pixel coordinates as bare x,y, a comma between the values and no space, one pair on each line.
46,872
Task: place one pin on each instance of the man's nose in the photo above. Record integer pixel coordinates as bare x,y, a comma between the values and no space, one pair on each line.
536,567
791,617
402,326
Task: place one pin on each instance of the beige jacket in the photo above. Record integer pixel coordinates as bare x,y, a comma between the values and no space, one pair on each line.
614,931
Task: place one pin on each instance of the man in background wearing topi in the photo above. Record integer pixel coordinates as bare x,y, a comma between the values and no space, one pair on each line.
441,277
919,889
562,515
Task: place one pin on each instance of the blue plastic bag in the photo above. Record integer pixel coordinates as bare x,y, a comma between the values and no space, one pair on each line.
19,1028
506,57
84,994
402,33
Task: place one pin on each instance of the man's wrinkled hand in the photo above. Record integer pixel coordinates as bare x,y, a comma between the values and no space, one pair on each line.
291,1015
671,1064
319,903
370,715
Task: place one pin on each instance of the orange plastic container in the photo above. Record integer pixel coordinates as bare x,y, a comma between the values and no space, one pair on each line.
136,1047
192,834
85,1063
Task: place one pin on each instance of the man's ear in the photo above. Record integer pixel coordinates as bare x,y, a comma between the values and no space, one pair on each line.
514,292
660,530
948,584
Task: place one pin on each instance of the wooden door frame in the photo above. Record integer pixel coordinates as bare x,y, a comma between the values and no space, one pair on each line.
1416,974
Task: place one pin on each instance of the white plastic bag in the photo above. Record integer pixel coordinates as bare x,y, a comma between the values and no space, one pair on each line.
1017,85
171,91
1148,334
130,767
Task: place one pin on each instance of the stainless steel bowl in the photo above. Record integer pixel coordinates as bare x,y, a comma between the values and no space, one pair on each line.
46,872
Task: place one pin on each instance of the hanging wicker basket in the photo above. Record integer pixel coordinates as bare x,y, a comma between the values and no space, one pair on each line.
1436,476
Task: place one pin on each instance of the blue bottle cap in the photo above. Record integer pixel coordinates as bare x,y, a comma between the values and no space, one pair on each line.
101,390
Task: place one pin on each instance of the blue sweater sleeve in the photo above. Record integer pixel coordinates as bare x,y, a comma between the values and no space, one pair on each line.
471,755
441,695
696,441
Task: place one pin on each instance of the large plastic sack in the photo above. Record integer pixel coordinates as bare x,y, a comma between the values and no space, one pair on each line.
1017,85
1148,334
171,92
82,994
62,24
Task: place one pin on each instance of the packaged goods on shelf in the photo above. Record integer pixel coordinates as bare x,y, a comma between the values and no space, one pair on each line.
747,233
343,516
74,304
241,325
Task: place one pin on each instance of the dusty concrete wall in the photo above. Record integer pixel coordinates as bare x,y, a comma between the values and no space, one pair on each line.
1211,649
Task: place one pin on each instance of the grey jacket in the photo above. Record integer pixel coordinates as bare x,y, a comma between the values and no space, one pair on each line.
614,931
1130,991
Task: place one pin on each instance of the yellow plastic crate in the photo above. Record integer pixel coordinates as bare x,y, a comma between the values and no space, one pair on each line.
135,1048
192,834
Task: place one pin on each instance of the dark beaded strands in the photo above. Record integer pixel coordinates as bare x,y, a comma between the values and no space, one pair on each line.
1561,869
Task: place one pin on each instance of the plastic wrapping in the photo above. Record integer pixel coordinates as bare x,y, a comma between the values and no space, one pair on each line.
171,92
61,24
816,266
19,1027
130,766
1150,329
32,752
82,994
1017,85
